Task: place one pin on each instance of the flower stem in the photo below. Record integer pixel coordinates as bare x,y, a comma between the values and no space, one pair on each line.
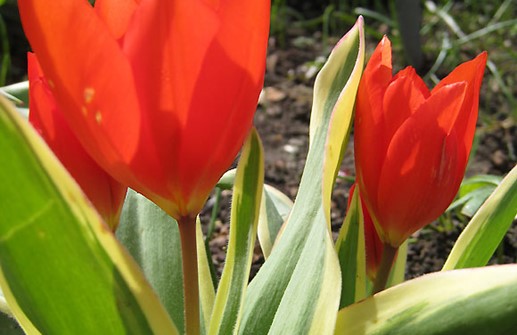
187,227
388,255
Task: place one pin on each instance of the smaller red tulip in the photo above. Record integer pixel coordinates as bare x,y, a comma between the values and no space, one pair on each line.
411,144
106,194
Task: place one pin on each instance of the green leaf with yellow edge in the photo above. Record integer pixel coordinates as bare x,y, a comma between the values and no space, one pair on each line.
470,301
247,194
275,207
152,238
297,289
334,99
62,270
274,210
350,247
398,270
486,229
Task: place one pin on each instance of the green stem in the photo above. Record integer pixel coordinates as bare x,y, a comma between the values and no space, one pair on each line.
187,227
388,255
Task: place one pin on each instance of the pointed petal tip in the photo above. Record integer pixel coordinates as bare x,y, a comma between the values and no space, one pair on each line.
385,41
360,26
382,53
481,59
360,21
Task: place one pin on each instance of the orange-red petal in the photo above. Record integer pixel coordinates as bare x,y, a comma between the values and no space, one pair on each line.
89,76
369,141
198,83
116,14
419,179
104,192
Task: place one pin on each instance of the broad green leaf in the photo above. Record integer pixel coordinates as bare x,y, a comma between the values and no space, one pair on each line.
297,289
61,269
332,110
247,194
152,238
350,247
274,210
469,301
486,229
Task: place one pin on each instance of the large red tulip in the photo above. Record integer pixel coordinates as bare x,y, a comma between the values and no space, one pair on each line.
411,144
161,93
106,194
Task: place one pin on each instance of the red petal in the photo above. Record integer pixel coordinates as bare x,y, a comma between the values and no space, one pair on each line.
419,178
104,192
402,98
369,120
89,76
116,14
470,72
198,80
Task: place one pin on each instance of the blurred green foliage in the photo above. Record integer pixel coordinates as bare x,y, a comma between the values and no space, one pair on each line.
13,45
5,61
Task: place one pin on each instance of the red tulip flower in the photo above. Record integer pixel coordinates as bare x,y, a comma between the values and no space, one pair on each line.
161,93
411,144
106,194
